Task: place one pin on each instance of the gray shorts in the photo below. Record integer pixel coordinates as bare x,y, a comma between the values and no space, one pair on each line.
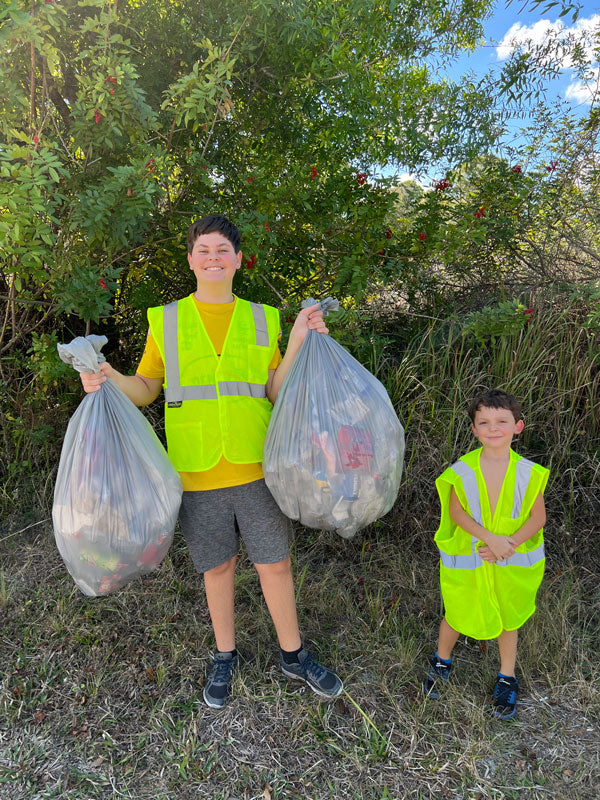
212,522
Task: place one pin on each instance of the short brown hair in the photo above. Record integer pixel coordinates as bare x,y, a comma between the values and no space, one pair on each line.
496,398
214,223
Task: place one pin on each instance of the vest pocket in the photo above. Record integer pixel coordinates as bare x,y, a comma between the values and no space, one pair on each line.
259,358
506,526
184,443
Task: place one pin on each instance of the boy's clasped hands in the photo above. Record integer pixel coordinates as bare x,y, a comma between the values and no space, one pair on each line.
502,547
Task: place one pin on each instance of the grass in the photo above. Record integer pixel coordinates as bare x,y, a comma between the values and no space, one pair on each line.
102,697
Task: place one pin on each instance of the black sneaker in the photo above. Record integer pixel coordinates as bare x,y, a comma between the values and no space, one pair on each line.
321,680
218,681
504,699
439,673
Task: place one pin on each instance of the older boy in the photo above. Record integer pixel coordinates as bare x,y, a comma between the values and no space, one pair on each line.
217,357
491,545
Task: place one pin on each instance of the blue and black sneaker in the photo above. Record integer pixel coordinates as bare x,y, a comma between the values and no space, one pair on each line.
439,673
321,680
504,699
218,681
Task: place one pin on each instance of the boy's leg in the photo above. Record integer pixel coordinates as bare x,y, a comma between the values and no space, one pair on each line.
277,587
507,644
440,665
506,691
218,583
447,638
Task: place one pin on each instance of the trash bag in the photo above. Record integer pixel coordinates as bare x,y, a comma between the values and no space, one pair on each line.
117,495
334,448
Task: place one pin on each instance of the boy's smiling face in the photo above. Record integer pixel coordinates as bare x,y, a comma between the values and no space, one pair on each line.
213,259
495,427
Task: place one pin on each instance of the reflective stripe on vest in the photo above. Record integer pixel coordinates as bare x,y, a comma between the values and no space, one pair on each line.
474,560
524,467
469,482
176,394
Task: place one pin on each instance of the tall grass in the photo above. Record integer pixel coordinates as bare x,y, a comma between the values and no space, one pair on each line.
552,366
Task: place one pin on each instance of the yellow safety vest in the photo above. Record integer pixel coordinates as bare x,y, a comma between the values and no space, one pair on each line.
215,406
482,599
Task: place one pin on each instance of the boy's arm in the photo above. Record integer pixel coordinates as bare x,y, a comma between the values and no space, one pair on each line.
308,319
140,390
501,546
534,523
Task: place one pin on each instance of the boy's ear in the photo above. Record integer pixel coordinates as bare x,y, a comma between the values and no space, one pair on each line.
474,430
189,260
519,426
239,259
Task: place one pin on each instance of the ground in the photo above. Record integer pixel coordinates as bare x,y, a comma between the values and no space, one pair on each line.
101,698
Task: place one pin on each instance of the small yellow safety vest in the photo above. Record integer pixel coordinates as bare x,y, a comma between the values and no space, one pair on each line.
482,599
215,406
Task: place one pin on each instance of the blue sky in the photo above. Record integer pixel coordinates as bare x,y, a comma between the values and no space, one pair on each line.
514,24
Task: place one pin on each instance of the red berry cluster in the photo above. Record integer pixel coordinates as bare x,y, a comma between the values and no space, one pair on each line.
97,116
553,165
422,236
267,227
313,173
388,233
102,283
480,213
250,178
36,139
361,178
442,185
529,313
518,169
251,262
149,165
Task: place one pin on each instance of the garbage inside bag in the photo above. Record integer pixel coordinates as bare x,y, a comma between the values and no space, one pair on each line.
334,448
117,495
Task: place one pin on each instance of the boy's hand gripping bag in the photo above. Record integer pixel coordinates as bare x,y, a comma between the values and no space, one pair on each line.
117,495
334,448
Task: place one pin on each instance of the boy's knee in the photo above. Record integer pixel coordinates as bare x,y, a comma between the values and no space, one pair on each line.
277,569
221,569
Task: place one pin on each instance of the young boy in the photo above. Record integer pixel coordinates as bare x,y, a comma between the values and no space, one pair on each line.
491,545
217,357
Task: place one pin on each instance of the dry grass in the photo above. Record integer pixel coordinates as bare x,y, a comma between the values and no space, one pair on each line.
101,698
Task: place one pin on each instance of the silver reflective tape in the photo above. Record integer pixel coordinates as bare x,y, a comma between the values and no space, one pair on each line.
469,481
241,389
260,324
522,478
172,391
182,393
460,562
474,560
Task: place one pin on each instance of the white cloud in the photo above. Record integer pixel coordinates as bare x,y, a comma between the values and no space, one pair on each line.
530,36
584,92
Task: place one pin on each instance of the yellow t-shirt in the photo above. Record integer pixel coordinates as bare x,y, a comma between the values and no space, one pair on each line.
216,318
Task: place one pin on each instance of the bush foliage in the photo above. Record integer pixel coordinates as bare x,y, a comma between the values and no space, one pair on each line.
120,124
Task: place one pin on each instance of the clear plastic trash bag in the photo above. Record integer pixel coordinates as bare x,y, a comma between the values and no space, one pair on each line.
117,495
334,448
